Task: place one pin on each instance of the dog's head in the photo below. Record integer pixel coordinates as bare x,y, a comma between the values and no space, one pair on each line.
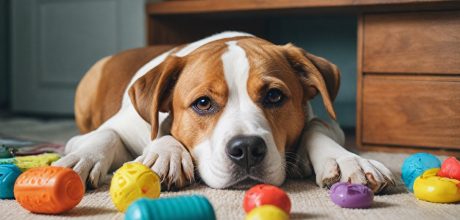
237,104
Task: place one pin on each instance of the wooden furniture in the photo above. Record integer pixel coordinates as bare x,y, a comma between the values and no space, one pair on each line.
408,90
409,80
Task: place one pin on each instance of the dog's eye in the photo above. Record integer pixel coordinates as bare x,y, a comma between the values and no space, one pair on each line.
203,105
273,98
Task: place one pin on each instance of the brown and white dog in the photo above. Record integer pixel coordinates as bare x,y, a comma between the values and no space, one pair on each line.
231,105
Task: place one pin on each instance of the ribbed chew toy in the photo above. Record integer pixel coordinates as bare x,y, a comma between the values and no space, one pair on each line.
49,190
182,207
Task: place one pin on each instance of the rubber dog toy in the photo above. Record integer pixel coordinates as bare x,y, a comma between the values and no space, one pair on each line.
183,207
432,188
8,175
131,182
49,190
267,212
26,162
450,168
415,165
263,194
349,195
6,152
8,161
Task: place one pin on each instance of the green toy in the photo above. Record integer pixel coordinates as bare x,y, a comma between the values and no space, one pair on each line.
26,162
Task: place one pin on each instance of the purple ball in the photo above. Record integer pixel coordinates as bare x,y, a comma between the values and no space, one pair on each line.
350,195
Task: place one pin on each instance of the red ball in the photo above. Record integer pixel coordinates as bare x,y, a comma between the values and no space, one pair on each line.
264,194
450,168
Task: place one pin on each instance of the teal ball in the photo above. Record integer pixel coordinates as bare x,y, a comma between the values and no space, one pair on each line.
415,165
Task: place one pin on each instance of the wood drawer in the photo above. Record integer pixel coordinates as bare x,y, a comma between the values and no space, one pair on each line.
416,42
416,111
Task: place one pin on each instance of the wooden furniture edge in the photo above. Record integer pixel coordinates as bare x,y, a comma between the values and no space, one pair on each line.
359,81
407,149
213,6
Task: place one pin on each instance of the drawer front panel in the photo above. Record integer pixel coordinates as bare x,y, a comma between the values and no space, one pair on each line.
421,43
417,111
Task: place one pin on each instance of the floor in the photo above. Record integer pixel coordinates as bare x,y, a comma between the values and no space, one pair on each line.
308,200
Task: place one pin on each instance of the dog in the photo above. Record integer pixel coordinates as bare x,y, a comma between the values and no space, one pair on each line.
232,107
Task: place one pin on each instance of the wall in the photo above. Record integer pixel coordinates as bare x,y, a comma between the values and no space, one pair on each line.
331,37
4,79
55,42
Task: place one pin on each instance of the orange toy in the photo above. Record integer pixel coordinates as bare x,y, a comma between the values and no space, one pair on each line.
49,190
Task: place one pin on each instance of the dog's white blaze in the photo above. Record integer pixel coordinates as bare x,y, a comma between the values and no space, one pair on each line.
241,116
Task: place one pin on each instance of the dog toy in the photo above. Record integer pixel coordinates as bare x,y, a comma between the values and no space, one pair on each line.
450,168
6,152
131,182
49,190
183,207
26,162
415,165
432,188
263,194
8,175
349,195
267,212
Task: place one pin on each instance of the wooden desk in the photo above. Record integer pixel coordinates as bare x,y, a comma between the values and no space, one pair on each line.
408,90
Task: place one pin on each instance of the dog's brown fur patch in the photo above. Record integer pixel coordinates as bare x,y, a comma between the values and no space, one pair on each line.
100,92
202,76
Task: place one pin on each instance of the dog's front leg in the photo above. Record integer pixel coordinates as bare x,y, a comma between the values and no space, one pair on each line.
332,163
170,160
92,155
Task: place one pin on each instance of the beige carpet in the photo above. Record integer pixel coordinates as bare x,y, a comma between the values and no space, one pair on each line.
308,201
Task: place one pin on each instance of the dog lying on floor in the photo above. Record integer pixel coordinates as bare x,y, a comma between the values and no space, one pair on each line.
230,106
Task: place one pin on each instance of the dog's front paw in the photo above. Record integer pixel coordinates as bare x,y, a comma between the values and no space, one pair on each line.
355,169
170,160
91,167
91,155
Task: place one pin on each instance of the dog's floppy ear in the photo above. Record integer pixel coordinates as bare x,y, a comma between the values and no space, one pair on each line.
151,93
317,75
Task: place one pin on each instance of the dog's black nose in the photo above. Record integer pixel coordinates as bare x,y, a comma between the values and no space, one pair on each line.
246,151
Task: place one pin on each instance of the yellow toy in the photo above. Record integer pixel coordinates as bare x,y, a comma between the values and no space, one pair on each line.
267,212
131,182
432,188
26,162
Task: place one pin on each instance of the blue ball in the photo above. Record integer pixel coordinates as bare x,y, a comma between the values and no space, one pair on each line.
415,165
8,175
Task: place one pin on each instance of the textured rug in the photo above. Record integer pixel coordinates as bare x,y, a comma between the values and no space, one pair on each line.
308,200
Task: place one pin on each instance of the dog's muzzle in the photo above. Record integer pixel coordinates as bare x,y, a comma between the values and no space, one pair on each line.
246,151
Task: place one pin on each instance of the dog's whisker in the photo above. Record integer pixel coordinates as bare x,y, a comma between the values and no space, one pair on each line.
293,167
